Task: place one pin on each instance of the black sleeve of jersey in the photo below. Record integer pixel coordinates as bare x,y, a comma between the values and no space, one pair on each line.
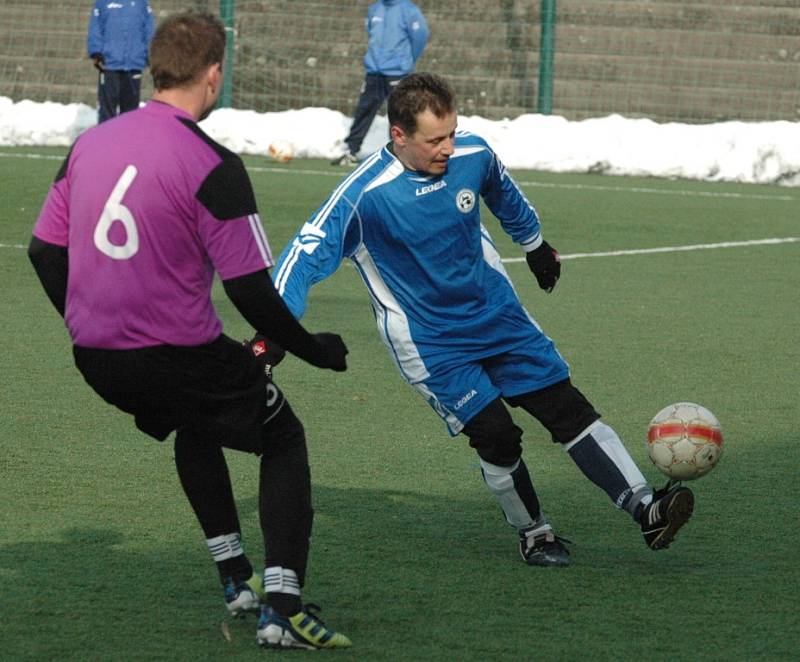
62,171
256,298
227,192
51,265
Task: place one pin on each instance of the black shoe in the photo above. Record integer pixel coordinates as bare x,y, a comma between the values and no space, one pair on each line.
346,159
540,546
670,509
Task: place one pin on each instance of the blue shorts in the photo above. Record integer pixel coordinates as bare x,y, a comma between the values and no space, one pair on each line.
459,392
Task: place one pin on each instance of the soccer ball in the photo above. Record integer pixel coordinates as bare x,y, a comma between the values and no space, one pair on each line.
684,441
281,150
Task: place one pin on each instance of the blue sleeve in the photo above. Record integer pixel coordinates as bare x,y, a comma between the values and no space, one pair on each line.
505,200
315,252
417,32
150,25
94,42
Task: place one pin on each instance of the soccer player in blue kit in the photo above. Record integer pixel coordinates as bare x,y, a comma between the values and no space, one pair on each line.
408,218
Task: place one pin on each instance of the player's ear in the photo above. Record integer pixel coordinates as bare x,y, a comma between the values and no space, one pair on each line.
215,76
397,135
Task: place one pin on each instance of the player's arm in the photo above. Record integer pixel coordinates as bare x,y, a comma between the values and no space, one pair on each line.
232,234
317,250
417,32
48,250
51,264
256,298
520,220
149,25
94,39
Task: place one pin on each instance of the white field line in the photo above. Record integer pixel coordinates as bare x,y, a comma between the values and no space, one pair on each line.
634,251
537,184
584,187
671,249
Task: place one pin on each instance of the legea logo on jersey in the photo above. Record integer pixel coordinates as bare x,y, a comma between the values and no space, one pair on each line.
310,237
466,399
431,187
465,200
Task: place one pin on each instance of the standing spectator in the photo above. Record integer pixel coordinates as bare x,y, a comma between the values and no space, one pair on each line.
142,213
119,35
398,34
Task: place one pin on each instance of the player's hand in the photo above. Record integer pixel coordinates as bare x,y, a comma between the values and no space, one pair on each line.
267,353
545,265
99,61
333,352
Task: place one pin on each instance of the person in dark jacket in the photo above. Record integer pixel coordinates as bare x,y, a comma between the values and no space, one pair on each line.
398,33
119,36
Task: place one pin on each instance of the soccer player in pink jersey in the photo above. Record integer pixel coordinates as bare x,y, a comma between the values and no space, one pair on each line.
144,210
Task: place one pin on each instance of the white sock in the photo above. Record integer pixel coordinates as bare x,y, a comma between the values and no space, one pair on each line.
226,546
281,580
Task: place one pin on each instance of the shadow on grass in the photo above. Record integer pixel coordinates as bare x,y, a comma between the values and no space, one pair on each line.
384,563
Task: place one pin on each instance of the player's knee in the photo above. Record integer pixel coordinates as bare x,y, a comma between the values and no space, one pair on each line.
494,436
561,408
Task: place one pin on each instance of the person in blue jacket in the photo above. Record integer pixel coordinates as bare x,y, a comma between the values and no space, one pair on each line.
408,217
398,33
119,36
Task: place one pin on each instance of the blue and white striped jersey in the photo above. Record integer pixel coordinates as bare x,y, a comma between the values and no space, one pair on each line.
439,291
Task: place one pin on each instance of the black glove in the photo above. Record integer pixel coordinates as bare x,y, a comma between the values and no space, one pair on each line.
267,353
333,352
99,61
545,265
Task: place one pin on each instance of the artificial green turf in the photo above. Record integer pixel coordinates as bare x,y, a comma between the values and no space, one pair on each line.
100,557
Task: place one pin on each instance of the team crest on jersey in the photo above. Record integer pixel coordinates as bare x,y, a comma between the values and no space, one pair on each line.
465,200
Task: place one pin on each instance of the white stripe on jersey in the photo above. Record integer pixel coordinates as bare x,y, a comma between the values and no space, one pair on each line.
395,169
391,319
261,239
493,259
466,151
322,215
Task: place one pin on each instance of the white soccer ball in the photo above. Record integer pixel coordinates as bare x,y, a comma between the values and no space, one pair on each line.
281,150
684,441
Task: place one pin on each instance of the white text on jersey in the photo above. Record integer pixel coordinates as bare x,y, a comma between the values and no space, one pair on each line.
431,187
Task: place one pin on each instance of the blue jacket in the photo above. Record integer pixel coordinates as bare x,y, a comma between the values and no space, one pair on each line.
398,34
121,31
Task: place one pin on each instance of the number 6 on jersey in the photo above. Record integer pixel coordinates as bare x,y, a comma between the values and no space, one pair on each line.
114,210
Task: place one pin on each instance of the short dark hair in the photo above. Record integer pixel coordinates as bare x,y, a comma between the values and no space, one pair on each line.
417,93
184,46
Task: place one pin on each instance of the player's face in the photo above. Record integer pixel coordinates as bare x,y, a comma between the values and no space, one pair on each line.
429,148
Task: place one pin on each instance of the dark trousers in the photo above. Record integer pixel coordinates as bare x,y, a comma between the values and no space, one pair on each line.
117,92
374,92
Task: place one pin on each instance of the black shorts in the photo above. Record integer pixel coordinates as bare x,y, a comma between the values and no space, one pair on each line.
218,389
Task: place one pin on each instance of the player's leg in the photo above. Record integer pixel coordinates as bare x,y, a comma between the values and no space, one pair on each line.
497,441
204,393
203,473
286,515
468,402
130,90
600,454
369,102
107,85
